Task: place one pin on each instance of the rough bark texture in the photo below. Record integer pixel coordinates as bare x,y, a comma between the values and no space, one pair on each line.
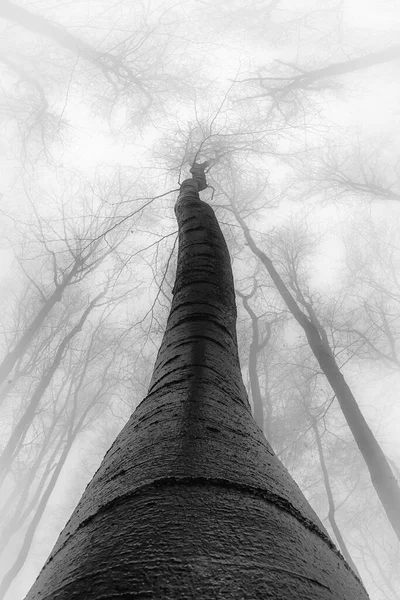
190,501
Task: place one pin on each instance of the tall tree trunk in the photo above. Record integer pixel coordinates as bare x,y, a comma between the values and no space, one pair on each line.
44,27
33,525
382,477
307,78
21,429
387,580
254,350
348,66
190,501
269,409
27,504
329,495
108,64
10,504
255,386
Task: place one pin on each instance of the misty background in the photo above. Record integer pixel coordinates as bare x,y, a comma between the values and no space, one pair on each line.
104,106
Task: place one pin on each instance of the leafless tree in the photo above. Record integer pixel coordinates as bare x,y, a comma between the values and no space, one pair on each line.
301,307
262,328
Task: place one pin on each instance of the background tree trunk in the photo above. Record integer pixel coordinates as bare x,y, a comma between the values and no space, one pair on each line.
307,78
382,477
254,349
20,431
329,495
22,345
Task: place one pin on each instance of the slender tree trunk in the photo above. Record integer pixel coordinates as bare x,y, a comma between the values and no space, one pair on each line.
190,502
382,477
20,431
255,386
331,501
26,486
372,556
269,406
8,362
256,346
108,64
348,66
26,504
33,525
307,78
253,365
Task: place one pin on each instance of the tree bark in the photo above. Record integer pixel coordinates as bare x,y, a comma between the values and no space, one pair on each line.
190,502
382,477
